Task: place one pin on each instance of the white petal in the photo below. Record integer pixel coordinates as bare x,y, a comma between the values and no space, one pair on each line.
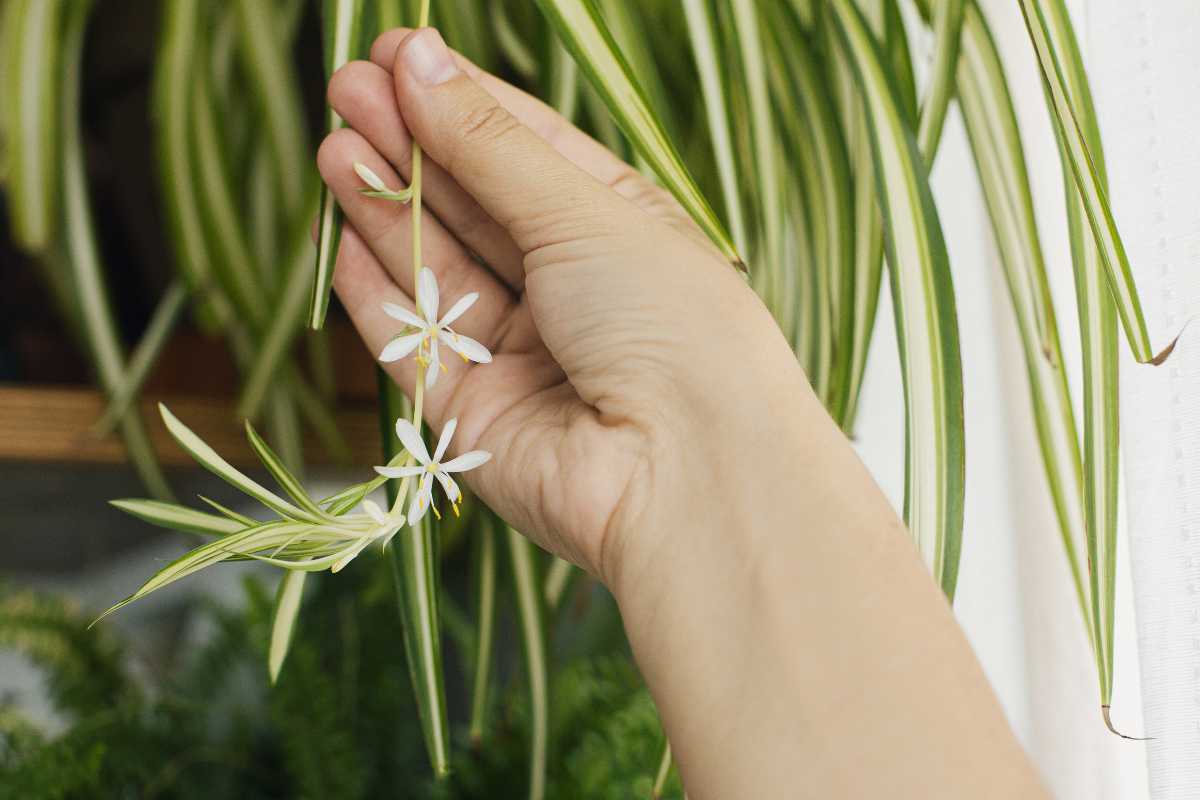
453,493
404,315
444,441
467,461
459,308
412,441
401,346
466,346
421,501
427,294
399,472
370,178
434,368
374,512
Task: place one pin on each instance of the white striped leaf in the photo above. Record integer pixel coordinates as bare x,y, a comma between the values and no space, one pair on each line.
712,88
179,518
415,568
286,480
210,460
947,28
923,299
277,93
83,255
995,140
484,584
1070,102
29,95
264,536
583,31
341,22
530,615
283,619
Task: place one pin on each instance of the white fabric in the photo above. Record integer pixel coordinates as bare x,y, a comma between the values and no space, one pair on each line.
1015,598
1146,73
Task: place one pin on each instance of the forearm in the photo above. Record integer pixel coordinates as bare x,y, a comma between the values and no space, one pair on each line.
796,646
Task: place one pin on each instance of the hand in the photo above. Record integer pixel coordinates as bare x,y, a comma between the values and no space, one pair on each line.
619,333
650,423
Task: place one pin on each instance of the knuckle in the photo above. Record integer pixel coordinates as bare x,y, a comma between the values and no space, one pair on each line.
485,125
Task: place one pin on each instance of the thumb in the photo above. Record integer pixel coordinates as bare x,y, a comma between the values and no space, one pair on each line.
540,197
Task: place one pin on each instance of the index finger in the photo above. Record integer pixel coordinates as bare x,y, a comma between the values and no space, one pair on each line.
570,142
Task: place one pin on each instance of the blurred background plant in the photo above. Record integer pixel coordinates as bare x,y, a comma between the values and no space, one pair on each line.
159,189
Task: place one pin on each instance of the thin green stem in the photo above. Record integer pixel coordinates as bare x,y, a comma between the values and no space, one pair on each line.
415,187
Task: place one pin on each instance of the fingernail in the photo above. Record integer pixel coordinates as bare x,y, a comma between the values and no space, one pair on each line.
427,58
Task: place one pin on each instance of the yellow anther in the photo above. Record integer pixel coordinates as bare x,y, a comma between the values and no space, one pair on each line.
433,508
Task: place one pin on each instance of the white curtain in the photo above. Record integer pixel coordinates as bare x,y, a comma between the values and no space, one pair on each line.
1015,598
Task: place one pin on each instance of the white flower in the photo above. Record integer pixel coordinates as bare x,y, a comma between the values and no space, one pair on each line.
429,468
430,330
384,529
378,187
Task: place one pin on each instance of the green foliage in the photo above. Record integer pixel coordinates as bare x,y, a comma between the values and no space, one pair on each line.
340,722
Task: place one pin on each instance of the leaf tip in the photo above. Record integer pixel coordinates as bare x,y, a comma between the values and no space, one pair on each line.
1105,710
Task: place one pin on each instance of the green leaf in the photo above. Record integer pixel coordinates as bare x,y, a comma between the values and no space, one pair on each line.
664,772
283,619
707,55
995,140
158,332
484,575
173,71
947,28
584,33
179,518
416,574
815,139
923,299
764,154
866,225
263,536
83,256
31,73
1070,101
342,25
287,315
286,480
277,91
208,458
530,616
558,578
1100,301
246,522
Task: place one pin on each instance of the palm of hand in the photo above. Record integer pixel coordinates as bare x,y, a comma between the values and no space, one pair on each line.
570,401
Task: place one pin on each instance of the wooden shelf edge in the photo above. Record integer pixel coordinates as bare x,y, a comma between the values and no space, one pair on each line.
54,424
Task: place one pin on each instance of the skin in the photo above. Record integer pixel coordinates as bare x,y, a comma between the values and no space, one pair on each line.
650,424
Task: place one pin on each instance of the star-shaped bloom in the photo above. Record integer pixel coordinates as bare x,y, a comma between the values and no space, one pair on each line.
431,331
429,468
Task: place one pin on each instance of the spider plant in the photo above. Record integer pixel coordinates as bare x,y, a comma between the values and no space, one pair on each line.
792,131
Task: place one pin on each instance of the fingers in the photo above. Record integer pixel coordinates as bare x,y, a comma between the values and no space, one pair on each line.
574,145
385,227
520,181
362,93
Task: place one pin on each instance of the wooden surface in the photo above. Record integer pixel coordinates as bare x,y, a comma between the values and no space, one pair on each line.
54,424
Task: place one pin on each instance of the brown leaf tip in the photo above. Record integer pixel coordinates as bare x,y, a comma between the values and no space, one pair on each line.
1105,710
1165,353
